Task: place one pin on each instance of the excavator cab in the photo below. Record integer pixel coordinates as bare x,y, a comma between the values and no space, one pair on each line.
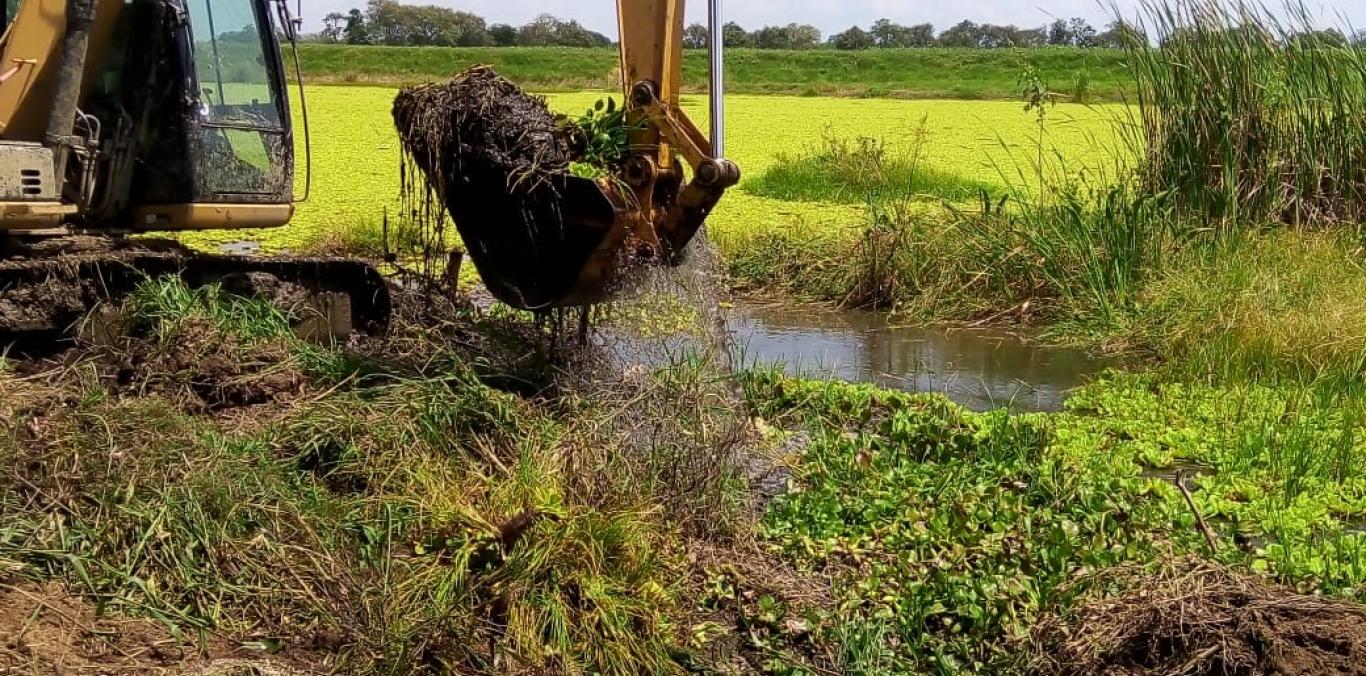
167,116
127,116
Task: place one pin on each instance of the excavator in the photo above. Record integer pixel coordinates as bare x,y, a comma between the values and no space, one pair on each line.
125,117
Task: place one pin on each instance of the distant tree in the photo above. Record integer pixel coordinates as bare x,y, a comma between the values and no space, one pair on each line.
572,34
1059,35
1359,40
853,39
1083,34
333,26
734,35
1121,34
996,37
1075,32
386,22
921,35
503,35
963,34
990,36
791,36
889,35
1032,37
392,23
546,30
356,31
540,32
804,36
696,36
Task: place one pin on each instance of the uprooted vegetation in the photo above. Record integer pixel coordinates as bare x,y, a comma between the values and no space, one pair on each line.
1199,618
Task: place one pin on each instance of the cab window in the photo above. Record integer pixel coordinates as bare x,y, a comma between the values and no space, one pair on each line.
10,8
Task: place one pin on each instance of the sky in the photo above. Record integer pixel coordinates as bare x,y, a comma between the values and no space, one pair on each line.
831,16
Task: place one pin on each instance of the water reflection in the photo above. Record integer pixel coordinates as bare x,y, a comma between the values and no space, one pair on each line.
980,369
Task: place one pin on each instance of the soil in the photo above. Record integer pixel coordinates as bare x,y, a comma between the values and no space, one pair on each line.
48,631
1205,619
481,126
205,369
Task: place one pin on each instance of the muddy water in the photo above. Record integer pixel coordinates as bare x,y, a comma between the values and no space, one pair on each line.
980,369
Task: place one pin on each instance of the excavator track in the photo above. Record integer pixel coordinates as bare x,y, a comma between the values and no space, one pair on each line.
49,286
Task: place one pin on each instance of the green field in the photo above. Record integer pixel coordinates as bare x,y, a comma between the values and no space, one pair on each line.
355,153
1094,75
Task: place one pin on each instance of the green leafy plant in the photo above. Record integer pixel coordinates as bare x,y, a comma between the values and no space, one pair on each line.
602,136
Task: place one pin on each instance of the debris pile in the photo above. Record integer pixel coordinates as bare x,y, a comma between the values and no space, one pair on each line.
1206,619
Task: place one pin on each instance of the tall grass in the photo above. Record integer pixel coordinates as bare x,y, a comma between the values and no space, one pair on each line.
1258,306
1248,117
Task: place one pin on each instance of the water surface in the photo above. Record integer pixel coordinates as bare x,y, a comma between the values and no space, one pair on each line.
980,369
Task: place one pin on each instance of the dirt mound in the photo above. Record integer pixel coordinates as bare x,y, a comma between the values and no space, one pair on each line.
480,126
206,369
1205,619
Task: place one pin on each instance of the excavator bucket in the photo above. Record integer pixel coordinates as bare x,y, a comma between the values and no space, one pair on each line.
499,162
542,252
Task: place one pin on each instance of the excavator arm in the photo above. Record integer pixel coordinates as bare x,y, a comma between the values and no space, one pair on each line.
671,206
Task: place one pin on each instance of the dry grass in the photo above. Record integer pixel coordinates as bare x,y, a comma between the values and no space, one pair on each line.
1201,618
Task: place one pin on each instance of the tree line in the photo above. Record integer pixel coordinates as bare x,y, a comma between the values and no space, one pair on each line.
388,22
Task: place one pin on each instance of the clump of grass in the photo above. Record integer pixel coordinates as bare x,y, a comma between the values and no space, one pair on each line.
864,169
1248,118
159,307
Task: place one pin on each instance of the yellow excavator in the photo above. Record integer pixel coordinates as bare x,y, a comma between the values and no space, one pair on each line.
121,117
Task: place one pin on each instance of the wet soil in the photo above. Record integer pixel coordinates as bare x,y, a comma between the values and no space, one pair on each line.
1205,619
204,369
479,126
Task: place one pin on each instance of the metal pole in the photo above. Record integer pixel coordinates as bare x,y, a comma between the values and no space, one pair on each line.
717,43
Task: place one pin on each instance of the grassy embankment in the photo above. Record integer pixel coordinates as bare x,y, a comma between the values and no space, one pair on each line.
1092,75
378,508
445,502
